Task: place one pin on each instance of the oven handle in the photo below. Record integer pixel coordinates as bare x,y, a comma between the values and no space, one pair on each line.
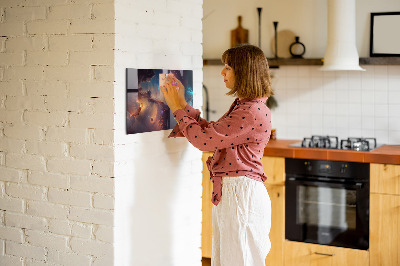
324,254
357,185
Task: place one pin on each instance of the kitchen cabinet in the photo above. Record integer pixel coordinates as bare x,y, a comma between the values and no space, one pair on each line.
384,248
385,178
274,168
277,233
206,225
385,229
305,254
385,214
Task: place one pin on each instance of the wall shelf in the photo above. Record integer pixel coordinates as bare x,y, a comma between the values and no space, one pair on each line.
380,61
274,63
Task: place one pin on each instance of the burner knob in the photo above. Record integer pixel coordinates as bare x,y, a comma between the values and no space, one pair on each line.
357,146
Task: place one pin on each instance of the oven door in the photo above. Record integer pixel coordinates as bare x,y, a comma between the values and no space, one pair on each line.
327,213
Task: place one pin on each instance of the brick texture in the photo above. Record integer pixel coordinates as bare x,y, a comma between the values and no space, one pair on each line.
47,240
53,127
62,92
25,250
24,221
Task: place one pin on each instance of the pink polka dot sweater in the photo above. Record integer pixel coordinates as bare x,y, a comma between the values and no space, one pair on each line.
238,139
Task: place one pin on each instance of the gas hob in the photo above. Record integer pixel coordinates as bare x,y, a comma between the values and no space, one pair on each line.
332,142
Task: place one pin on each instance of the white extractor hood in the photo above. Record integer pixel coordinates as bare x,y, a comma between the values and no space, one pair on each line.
341,51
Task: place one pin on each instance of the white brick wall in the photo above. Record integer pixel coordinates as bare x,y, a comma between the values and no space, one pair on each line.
56,132
156,177
58,135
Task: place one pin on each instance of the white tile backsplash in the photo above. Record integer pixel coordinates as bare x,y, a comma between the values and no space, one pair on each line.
342,109
329,109
393,71
367,110
342,123
394,124
382,136
381,83
382,110
292,82
393,110
367,97
394,97
381,97
368,123
304,82
343,103
381,71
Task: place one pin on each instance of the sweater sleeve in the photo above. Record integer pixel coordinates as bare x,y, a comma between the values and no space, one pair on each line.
193,113
229,131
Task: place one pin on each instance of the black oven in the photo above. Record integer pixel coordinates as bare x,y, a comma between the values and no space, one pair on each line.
327,202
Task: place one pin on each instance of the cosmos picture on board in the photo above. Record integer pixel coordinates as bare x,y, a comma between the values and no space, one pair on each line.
146,109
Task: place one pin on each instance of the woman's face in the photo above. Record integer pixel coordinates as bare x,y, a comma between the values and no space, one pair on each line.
229,76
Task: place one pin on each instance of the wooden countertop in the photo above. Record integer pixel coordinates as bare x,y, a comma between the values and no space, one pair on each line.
389,154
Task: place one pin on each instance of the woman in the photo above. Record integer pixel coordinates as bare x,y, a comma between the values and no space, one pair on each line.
242,211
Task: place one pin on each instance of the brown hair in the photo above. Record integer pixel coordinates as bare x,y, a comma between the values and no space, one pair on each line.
250,66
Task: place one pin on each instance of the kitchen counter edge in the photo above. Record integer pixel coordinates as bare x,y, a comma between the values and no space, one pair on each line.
385,154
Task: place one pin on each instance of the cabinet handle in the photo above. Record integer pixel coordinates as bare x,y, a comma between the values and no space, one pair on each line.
324,254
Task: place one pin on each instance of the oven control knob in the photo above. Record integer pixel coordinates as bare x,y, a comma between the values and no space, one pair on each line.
343,168
308,166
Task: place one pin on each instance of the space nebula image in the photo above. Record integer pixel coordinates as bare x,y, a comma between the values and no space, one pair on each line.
146,109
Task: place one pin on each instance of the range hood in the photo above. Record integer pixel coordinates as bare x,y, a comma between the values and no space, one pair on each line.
341,51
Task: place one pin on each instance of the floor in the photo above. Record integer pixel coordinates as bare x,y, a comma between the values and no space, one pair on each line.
206,261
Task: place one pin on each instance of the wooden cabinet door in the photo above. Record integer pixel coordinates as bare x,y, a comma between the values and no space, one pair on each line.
274,168
277,233
384,236
304,254
206,226
385,178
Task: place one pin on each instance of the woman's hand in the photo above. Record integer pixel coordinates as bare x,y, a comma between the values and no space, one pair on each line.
181,91
173,91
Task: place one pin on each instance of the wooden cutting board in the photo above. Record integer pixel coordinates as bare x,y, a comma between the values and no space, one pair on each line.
239,35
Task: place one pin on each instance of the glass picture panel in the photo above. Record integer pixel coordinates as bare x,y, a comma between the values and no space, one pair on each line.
146,109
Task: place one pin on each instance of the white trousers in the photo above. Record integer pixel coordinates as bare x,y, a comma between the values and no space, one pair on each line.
241,223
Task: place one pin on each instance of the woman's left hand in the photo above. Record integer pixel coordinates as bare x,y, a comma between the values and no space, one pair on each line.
170,91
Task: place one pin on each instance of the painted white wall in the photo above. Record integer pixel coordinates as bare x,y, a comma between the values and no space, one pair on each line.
158,180
344,103
305,18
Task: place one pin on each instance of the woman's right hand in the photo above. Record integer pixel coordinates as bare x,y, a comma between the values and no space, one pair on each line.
181,89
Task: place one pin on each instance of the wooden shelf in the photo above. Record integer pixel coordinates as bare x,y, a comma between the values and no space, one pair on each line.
274,63
380,61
